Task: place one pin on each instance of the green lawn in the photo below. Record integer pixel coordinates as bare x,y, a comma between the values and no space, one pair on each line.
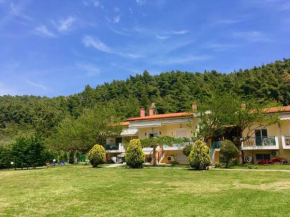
163,191
263,167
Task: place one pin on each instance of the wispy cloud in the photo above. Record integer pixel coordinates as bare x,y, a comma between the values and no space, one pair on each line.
96,43
89,41
228,21
181,32
90,69
42,30
65,24
141,2
116,9
38,85
162,37
181,60
221,46
17,10
117,19
252,36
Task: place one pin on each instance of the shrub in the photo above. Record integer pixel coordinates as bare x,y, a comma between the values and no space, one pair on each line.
134,154
217,165
235,161
5,157
97,155
199,156
186,150
228,150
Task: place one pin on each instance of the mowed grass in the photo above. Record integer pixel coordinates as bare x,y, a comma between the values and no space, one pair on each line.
84,191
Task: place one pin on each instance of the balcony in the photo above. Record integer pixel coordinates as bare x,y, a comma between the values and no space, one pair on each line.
286,142
260,143
175,146
115,148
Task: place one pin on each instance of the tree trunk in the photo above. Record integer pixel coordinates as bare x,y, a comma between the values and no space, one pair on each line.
75,156
154,156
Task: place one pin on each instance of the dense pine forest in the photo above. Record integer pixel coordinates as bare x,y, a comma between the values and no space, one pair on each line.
170,91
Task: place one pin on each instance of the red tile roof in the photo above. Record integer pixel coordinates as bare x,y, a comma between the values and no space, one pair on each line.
277,109
161,116
124,123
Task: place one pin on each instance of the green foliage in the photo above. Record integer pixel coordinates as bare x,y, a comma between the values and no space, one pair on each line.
28,152
171,91
97,155
187,149
228,150
199,156
134,154
5,157
91,127
217,165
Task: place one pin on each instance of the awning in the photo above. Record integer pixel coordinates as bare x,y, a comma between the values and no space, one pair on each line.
129,132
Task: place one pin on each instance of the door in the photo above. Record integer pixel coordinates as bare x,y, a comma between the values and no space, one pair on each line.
260,135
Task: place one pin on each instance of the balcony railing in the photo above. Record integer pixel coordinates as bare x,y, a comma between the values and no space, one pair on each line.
175,146
286,142
262,142
115,148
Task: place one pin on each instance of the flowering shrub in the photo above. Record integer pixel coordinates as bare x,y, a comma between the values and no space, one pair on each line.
97,155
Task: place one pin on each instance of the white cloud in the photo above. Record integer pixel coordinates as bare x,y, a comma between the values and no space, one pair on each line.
65,24
141,2
36,85
91,70
181,32
96,3
162,37
117,19
89,41
44,31
17,10
253,36
180,60
96,43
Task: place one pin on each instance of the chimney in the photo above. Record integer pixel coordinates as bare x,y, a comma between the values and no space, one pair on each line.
243,105
194,107
142,112
151,111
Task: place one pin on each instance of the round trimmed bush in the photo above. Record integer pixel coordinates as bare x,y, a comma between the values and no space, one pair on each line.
199,156
186,150
228,150
97,155
134,154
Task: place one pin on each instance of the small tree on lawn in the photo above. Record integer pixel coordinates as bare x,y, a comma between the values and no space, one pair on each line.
187,149
199,156
97,155
228,150
154,142
134,154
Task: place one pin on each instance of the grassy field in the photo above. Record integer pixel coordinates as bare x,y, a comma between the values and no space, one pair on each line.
84,191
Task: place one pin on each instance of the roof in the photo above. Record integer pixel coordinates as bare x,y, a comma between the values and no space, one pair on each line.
161,116
277,109
124,123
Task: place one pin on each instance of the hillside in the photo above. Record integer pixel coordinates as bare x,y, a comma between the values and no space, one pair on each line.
171,92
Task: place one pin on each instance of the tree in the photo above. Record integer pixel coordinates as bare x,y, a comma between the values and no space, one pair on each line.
97,155
187,149
134,154
228,150
93,126
5,157
230,110
199,156
154,142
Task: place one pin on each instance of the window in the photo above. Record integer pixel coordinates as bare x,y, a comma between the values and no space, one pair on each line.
260,157
260,135
151,135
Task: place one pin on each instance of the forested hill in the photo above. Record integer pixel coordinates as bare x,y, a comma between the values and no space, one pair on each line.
170,91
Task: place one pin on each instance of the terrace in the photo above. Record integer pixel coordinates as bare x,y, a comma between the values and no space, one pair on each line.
260,143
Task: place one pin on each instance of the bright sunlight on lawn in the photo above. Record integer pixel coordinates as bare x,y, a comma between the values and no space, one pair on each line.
84,191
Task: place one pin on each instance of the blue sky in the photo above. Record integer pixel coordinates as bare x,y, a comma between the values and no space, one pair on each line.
56,47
